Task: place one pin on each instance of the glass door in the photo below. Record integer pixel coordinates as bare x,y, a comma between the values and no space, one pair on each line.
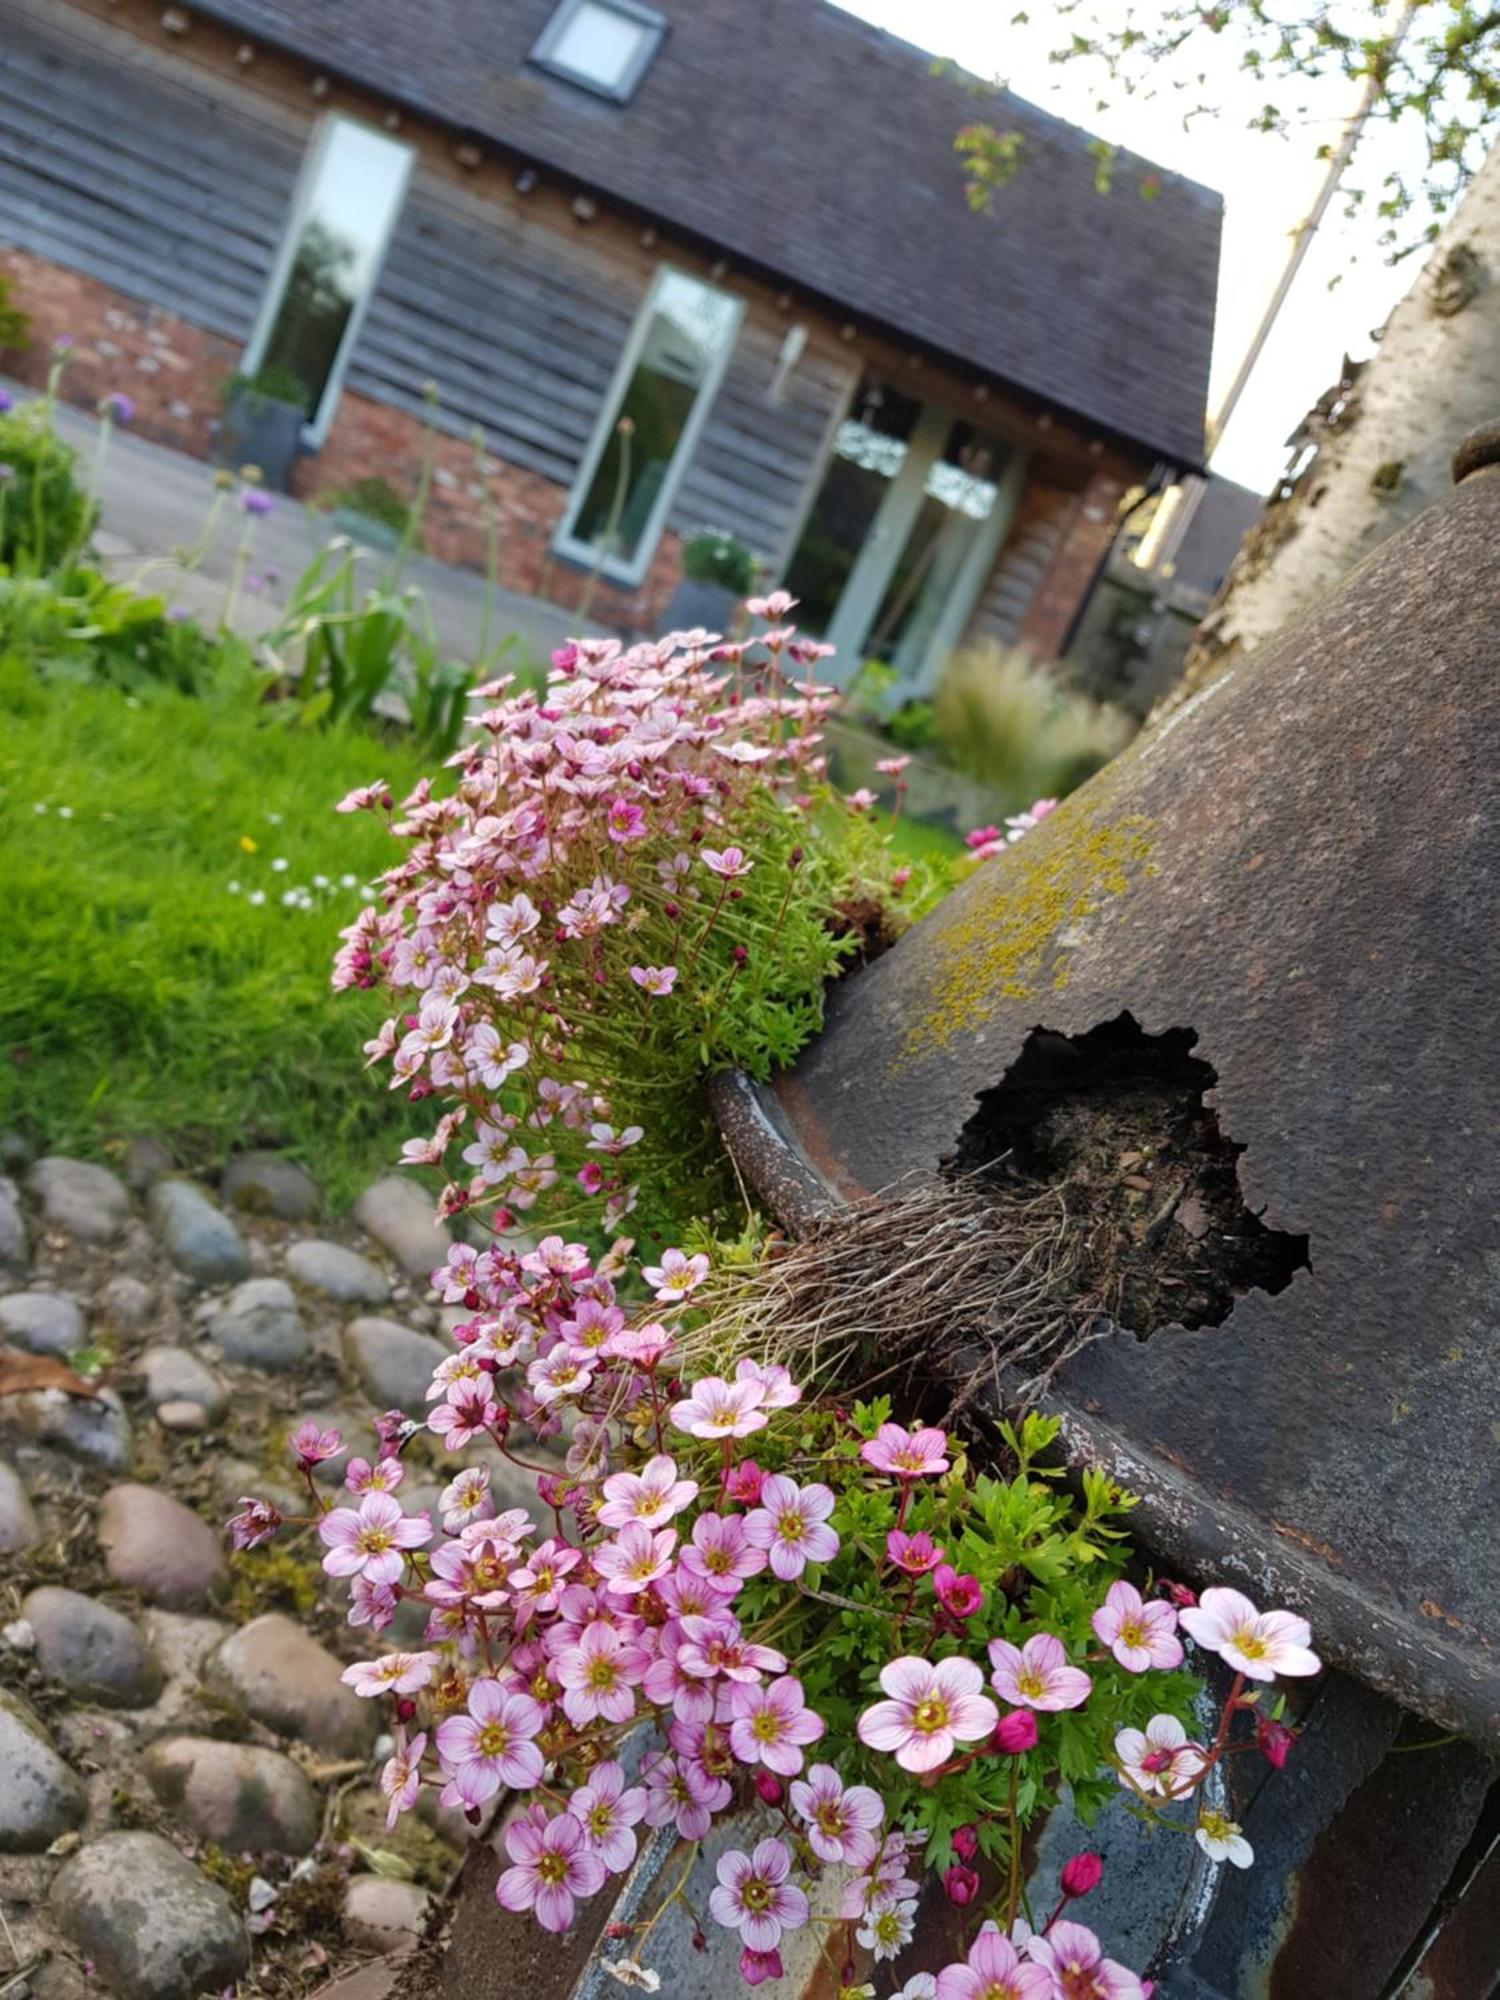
901,534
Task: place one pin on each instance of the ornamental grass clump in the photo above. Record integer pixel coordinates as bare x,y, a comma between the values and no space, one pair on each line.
733,1591
641,876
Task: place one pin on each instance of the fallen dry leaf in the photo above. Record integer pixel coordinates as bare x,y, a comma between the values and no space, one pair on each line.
20,1372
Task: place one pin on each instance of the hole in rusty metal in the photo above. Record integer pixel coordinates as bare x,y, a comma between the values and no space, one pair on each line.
1115,1120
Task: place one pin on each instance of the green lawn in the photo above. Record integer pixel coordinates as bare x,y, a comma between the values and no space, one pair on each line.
139,993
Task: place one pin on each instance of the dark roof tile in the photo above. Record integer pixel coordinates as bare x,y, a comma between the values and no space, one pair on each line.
805,143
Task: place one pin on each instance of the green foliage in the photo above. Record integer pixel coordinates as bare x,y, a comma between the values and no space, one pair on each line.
79,625
913,725
272,385
45,516
1044,1560
1434,69
376,500
137,993
351,654
1006,722
714,556
14,324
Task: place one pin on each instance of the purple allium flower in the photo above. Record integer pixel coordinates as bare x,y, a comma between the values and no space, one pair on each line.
255,500
118,406
7,401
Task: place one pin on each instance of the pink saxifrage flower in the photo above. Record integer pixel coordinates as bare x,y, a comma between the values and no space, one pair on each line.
657,980
255,1523
1260,1644
1140,1635
1037,1675
722,1553
1160,1760
728,863
913,1554
608,1810
599,1676
309,1444
392,1673
754,1897
676,1276
634,1560
771,1723
994,1970
791,1525
653,1495
719,1409
551,1866
371,1540
959,1593
401,1776
492,1744
842,1821
906,1454
681,1793
1075,1961
929,1711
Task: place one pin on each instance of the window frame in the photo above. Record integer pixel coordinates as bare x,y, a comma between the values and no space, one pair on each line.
564,13
564,543
320,420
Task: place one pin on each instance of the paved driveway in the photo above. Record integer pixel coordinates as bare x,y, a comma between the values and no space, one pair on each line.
154,501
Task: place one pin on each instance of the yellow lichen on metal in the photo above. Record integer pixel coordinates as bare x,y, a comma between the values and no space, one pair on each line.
1014,945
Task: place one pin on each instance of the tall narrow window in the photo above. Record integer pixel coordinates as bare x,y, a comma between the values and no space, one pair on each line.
661,393
343,213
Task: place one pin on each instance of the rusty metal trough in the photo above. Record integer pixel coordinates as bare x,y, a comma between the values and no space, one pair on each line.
1302,868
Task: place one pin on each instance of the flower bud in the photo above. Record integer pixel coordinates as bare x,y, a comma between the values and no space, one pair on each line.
1273,1740
768,1785
964,1841
757,1966
739,954
960,1885
1179,1593
1081,1874
1015,1732
406,1709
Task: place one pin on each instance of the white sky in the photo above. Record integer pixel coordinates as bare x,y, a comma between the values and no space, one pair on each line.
1268,183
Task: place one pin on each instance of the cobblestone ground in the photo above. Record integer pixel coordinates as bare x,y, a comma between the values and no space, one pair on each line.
187,1791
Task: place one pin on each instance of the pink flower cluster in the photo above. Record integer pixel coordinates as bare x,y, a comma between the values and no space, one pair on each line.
581,878
626,1602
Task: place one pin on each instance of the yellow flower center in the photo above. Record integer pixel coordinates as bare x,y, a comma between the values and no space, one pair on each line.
374,1541
1250,1643
648,1504
791,1527
931,1715
756,1894
1133,1633
1031,1684
602,1674
600,1817
1216,1825
766,1728
552,1867
493,1740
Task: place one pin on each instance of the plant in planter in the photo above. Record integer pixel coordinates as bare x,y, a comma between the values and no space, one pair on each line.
642,877
264,415
717,570
372,513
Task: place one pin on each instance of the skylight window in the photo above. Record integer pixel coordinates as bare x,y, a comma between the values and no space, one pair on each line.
604,45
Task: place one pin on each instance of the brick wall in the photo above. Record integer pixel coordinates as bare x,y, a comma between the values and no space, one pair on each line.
1085,537
174,373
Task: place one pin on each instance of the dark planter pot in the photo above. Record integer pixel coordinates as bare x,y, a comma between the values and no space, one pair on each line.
696,603
260,431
